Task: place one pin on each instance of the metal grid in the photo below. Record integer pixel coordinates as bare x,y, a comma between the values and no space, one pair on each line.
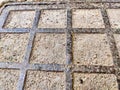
69,68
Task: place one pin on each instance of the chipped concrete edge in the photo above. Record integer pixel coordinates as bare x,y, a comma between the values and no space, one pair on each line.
3,4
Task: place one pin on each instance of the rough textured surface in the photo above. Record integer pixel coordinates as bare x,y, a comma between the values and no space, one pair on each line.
20,19
117,39
40,80
49,48
91,49
95,82
45,0
114,17
53,19
12,47
2,2
87,18
92,56
8,79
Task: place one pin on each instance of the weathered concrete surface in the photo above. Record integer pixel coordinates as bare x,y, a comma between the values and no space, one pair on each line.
40,80
95,82
91,49
46,65
53,19
49,48
117,39
87,18
8,79
12,47
2,2
114,17
20,19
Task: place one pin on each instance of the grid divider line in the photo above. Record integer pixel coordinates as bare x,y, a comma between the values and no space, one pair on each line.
68,72
25,63
10,65
21,81
48,67
112,43
4,17
94,69
36,19
111,39
29,47
69,68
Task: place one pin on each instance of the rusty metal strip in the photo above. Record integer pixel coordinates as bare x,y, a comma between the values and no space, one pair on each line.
94,69
62,68
47,67
89,30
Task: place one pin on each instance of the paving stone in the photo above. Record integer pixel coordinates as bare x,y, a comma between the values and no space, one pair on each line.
84,18
117,39
40,80
91,49
12,47
113,15
53,19
20,19
49,48
95,82
45,0
8,79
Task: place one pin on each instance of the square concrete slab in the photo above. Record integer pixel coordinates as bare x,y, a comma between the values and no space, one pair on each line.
91,49
114,15
45,0
49,48
117,40
8,79
20,19
41,80
84,18
12,47
53,19
95,82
